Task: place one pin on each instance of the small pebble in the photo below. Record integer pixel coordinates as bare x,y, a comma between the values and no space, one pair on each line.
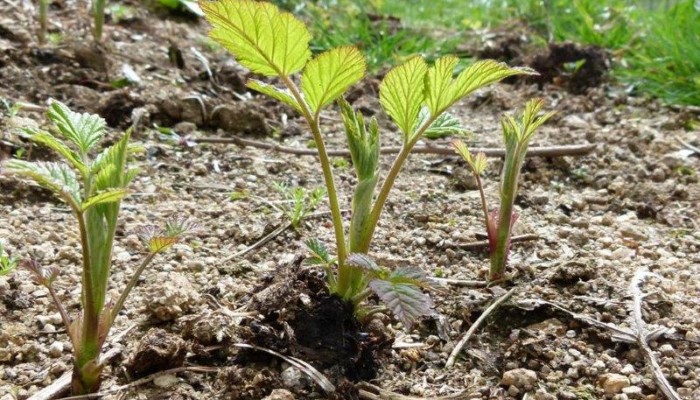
56,349
165,381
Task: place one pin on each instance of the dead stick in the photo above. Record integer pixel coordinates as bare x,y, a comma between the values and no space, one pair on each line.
475,326
271,236
642,336
369,391
485,243
144,380
544,151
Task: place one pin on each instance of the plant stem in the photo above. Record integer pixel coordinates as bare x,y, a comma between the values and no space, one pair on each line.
86,370
43,20
509,187
327,171
484,206
64,315
129,286
98,9
389,182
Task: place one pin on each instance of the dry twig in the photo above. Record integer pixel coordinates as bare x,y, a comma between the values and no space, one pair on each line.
270,236
475,326
481,244
639,335
369,391
144,380
550,151
643,336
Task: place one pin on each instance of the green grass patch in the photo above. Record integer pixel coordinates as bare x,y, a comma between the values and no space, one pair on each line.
655,43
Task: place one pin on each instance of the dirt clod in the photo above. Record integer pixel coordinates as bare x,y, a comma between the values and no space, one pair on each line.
240,118
157,351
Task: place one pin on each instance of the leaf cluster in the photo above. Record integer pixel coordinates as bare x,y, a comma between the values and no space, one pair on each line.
7,262
415,95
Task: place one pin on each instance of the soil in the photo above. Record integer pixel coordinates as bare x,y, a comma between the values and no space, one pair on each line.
631,205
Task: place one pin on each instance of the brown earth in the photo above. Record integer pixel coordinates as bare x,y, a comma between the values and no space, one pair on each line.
631,205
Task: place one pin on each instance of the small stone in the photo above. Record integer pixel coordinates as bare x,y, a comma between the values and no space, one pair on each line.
56,349
291,377
633,392
123,256
513,391
165,381
614,383
574,121
632,232
519,377
667,350
658,175
622,253
542,395
628,369
280,394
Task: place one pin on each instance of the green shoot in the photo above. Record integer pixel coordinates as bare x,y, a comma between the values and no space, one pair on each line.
98,15
92,187
415,95
43,20
7,263
299,202
499,223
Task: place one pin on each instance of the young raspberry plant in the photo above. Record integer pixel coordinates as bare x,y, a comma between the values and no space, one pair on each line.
93,188
499,222
415,95
7,262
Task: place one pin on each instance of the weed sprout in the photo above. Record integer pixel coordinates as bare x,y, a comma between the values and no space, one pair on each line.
93,188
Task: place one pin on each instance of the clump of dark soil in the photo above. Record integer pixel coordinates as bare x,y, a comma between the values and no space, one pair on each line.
569,65
302,320
576,67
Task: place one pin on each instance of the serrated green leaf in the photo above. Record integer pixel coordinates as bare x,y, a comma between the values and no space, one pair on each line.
48,140
401,93
58,178
108,166
477,163
279,94
108,196
363,261
405,300
319,250
444,125
521,132
329,75
442,90
263,39
439,93
84,130
409,275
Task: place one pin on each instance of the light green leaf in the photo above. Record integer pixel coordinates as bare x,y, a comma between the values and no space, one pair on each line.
108,166
401,93
279,94
444,125
477,163
330,74
85,130
439,93
58,178
56,145
108,196
442,90
263,39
